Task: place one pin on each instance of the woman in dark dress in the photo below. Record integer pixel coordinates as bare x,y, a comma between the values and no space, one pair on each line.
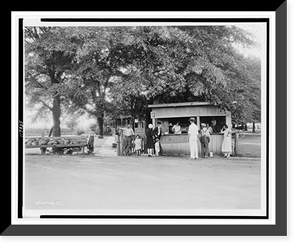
150,144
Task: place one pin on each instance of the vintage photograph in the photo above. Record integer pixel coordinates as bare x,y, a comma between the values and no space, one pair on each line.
163,119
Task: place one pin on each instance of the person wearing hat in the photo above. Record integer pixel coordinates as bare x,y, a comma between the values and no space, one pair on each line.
128,134
150,137
193,138
204,140
158,132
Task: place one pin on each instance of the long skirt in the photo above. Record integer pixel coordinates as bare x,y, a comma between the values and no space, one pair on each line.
226,145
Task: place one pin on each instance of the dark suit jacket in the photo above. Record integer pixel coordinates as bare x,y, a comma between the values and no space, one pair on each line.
155,131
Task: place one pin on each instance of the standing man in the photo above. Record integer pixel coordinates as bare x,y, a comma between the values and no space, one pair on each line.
193,138
128,134
158,132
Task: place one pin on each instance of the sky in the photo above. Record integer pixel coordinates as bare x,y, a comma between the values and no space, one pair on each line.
257,31
84,122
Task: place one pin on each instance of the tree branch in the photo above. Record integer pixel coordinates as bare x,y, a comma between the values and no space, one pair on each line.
45,104
35,80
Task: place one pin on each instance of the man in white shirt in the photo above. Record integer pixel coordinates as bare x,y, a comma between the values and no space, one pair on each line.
193,138
128,135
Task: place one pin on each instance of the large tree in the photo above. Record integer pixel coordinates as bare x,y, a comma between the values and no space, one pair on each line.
175,64
119,69
48,63
98,62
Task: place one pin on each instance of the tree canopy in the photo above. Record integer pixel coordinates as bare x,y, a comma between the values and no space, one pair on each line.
119,70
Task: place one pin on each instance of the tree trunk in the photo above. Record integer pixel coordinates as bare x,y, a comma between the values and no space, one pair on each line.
253,127
56,112
100,124
133,119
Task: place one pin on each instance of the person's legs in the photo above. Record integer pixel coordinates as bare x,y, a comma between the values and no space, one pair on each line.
126,145
130,147
195,149
191,148
202,150
151,151
160,150
205,145
92,147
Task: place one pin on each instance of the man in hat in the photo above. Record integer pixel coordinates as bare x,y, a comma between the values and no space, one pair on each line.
204,140
193,137
128,134
158,132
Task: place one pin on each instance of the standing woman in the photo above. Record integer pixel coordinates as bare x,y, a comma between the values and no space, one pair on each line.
226,145
150,144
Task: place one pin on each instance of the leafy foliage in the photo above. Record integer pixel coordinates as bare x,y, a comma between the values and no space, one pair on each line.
111,71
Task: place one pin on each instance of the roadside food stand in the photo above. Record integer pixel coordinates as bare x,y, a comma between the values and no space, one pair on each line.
203,112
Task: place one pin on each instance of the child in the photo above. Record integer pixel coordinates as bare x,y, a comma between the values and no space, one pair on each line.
157,147
90,142
138,145
204,140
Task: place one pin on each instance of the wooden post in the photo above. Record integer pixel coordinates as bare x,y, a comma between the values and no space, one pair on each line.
154,122
121,142
198,123
235,143
228,119
119,151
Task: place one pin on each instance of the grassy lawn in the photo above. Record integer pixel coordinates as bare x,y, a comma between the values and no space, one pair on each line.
249,145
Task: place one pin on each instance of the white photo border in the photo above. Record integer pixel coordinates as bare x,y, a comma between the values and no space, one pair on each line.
271,220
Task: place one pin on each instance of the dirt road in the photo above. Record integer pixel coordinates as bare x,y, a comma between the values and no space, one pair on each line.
128,183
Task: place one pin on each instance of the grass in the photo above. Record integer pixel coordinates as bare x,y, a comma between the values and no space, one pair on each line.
249,145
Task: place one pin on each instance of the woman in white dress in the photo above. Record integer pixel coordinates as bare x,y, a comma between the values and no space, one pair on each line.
226,145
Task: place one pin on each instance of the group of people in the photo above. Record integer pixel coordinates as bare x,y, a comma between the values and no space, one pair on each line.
153,136
136,143
153,140
204,135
